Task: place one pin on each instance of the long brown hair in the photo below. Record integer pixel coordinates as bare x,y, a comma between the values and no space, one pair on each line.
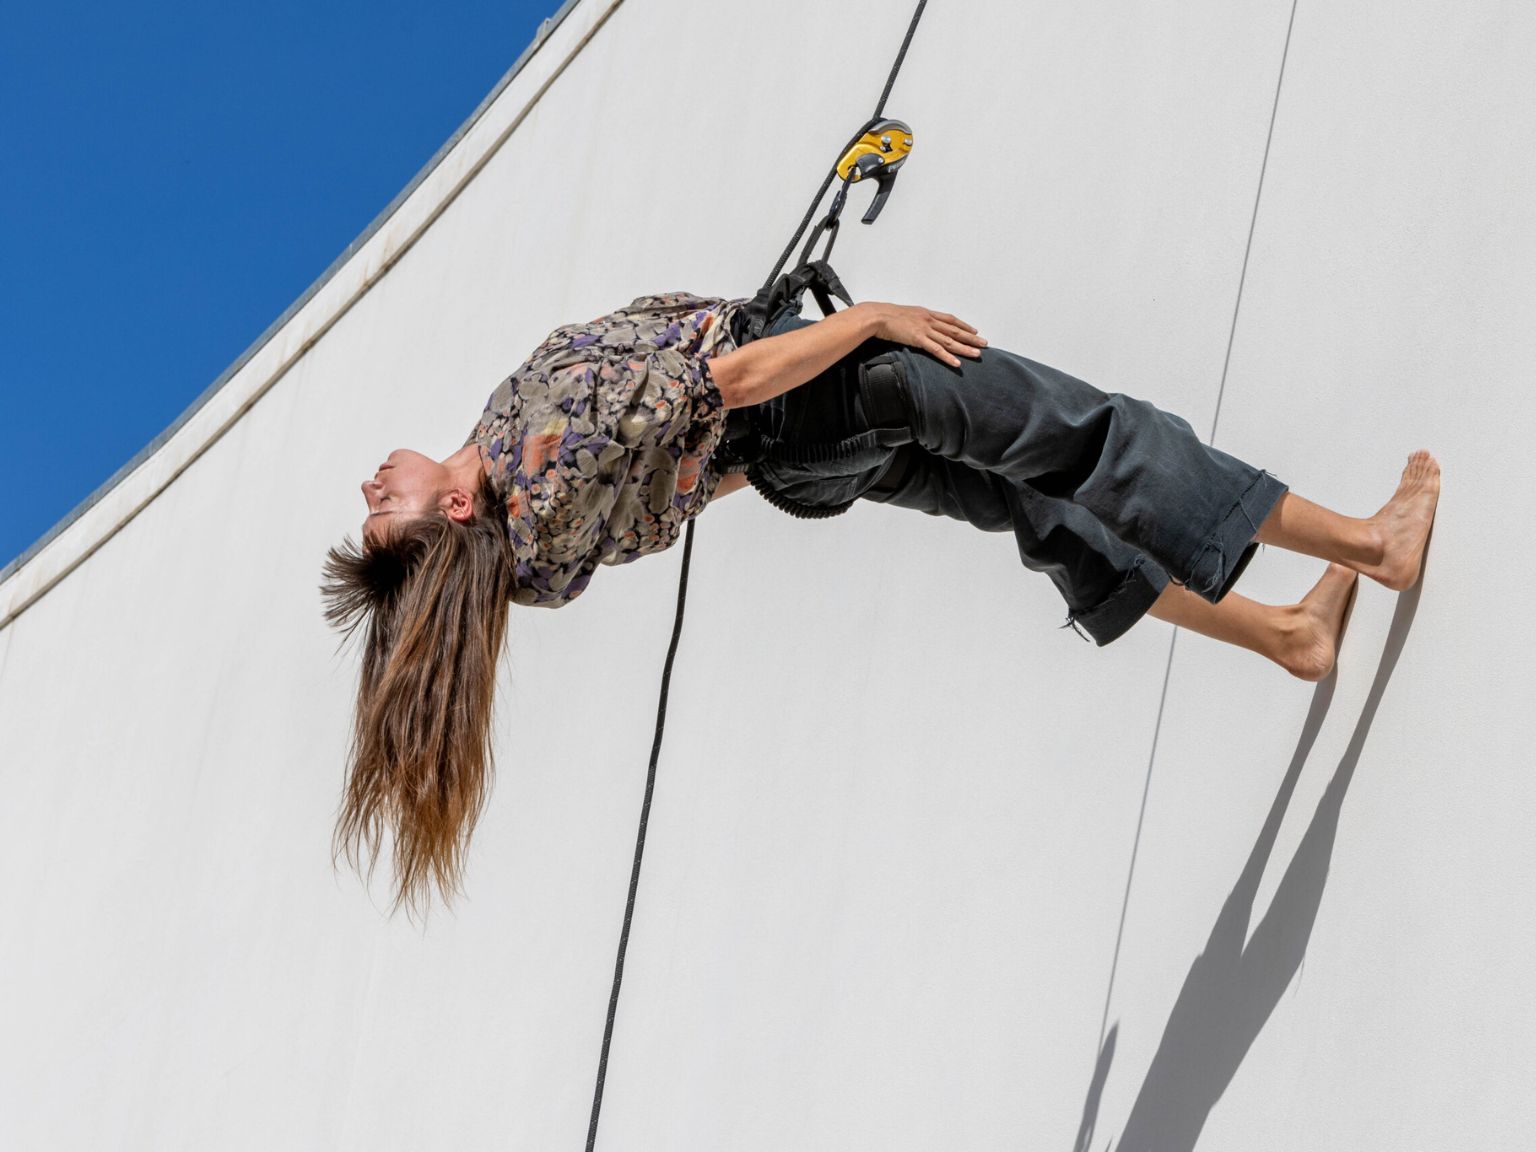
432,601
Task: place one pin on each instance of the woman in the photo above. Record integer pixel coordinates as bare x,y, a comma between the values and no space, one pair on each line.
609,438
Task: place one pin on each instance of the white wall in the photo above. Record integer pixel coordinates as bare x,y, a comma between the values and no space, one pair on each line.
899,813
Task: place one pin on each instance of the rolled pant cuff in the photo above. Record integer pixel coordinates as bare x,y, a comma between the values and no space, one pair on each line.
1113,616
1212,574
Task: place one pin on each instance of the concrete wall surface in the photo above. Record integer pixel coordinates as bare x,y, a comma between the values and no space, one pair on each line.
923,870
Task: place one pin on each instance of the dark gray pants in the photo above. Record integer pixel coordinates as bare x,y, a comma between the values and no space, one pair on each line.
1108,495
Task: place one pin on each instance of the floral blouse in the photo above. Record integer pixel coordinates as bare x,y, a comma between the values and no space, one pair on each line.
600,445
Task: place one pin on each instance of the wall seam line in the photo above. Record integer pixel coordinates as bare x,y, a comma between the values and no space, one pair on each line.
1211,440
1253,222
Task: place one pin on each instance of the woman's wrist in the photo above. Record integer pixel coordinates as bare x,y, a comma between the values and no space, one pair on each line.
871,315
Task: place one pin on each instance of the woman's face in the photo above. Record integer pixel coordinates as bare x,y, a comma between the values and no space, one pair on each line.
407,484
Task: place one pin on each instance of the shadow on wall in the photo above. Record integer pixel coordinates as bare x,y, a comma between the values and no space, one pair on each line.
1231,990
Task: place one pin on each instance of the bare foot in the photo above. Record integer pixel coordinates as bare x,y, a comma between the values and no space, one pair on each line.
1309,653
1403,523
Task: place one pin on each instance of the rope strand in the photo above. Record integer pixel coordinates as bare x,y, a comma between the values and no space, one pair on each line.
890,81
645,816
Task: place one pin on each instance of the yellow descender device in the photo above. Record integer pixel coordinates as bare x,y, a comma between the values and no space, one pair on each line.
879,153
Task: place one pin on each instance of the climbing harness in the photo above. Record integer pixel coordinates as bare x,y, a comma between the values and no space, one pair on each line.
876,151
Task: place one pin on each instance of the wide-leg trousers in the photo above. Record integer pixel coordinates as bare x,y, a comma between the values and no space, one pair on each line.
1108,495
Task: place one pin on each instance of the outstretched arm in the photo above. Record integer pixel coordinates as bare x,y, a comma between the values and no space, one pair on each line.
769,367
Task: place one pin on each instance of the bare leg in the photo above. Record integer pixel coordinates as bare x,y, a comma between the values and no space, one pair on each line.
1304,638
1301,638
1388,547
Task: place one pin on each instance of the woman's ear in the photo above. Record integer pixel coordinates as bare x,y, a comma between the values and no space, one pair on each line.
458,505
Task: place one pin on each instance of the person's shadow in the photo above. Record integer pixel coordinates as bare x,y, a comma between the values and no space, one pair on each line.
1232,989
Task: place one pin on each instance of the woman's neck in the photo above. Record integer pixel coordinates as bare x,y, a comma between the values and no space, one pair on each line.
465,468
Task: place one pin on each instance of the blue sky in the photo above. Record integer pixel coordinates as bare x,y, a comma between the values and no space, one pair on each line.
175,175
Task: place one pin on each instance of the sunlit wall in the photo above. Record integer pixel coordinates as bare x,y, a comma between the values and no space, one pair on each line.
923,869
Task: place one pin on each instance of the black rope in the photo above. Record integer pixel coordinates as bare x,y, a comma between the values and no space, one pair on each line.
890,81
645,815
677,626
810,213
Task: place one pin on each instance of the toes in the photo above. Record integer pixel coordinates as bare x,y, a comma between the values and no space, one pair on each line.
1421,466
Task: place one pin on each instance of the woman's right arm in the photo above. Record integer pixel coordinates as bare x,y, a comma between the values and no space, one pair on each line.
773,365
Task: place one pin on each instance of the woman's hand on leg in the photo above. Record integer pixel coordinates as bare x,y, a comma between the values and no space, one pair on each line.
946,337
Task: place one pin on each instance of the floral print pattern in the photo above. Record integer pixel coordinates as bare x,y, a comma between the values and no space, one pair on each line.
600,445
